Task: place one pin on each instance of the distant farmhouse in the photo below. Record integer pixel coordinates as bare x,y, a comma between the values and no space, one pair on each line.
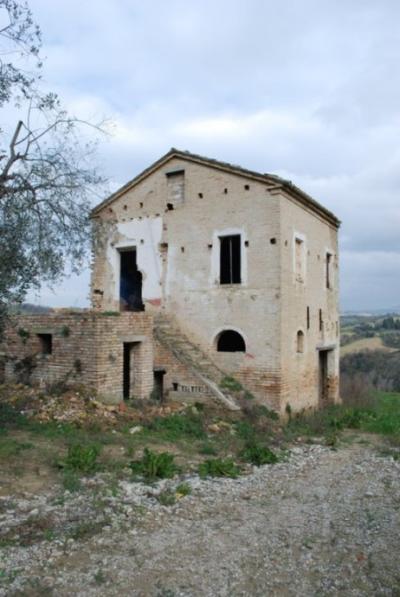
201,270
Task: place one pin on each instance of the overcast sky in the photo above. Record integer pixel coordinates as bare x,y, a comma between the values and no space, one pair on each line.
309,90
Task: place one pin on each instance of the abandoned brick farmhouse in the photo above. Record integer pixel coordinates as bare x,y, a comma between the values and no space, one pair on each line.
201,270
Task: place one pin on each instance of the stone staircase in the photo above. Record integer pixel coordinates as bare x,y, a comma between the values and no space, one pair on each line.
194,359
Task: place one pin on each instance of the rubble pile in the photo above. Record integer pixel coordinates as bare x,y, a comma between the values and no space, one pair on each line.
79,406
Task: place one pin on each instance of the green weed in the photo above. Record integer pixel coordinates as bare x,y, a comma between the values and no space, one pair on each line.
218,467
167,498
183,489
154,466
82,459
230,383
258,454
245,430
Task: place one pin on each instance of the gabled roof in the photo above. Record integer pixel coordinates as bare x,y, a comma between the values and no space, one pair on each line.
275,183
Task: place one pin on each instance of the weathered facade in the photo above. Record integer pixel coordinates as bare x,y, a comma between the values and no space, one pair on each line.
239,271
220,248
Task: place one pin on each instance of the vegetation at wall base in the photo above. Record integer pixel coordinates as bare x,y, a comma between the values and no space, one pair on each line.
380,415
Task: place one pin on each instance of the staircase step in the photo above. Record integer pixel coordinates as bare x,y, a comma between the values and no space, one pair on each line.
195,359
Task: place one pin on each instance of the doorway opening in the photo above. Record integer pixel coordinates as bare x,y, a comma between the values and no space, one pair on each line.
158,386
130,286
127,370
323,376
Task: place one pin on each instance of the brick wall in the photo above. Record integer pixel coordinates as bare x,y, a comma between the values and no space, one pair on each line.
87,348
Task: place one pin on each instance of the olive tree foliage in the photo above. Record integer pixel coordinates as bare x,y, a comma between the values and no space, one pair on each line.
46,176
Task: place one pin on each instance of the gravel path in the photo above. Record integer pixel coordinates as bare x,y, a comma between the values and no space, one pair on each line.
323,523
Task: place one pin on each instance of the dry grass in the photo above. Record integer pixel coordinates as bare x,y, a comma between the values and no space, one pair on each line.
374,343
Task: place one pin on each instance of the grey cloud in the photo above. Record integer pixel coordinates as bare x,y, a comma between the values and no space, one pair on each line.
308,90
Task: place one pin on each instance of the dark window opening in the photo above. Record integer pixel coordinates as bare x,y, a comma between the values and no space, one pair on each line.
321,321
226,191
273,241
230,341
246,187
140,204
300,341
308,318
200,195
130,283
246,243
175,386
230,260
170,206
46,343
182,249
328,270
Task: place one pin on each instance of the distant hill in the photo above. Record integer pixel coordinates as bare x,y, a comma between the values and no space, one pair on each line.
372,312
30,308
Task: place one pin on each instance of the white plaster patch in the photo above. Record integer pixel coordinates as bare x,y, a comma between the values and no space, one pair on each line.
144,236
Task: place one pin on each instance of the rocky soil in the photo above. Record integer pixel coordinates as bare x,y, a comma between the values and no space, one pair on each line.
322,523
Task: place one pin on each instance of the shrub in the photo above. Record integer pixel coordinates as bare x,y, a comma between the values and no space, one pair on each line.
230,383
259,455
218,467
154,466
82,458
23,334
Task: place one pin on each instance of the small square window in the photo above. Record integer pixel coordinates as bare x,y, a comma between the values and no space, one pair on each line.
46,343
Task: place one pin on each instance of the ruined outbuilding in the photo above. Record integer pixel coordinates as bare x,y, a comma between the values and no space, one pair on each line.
201,270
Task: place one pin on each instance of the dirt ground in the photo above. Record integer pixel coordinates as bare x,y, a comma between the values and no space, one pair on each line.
324,522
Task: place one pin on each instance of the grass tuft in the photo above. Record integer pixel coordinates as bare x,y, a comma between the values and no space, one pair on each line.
180,425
